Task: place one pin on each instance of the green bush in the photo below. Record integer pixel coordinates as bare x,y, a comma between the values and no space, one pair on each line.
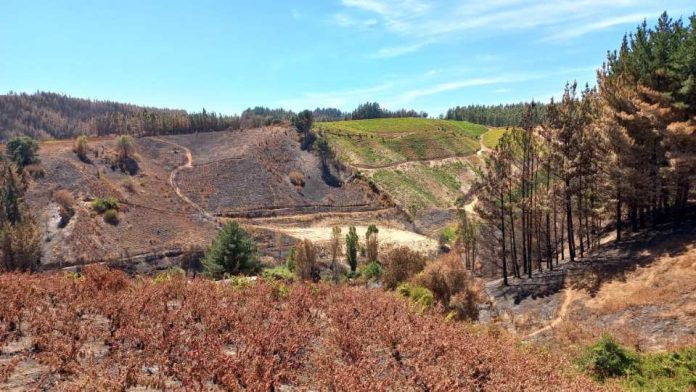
280,272
111,216
671,371
418,294
608,359
232,252
371,271
101,205
23,150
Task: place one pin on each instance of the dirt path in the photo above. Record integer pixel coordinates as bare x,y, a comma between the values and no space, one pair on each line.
568,298
405,164
483,148
172,181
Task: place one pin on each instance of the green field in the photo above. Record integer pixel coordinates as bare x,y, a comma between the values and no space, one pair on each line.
382,142
491,138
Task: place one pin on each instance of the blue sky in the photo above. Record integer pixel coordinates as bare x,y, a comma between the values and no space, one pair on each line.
229,55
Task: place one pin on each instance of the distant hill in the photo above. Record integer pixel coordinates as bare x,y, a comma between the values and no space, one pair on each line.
45,115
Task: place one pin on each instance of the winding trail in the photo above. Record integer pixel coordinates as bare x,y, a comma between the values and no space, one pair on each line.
568,298
172,182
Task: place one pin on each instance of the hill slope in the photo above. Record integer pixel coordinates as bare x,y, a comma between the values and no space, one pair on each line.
423,164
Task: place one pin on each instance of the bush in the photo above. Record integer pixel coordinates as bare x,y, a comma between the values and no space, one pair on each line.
128,185
111,216
297,178
124,147
20,246
305,259
66,202
371,246
418,294
290,263
280,272
232,252
23,150
400,265
81,148
451,285
101,205
608,359
371,271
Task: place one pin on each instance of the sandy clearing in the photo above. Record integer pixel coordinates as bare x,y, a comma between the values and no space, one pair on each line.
387,236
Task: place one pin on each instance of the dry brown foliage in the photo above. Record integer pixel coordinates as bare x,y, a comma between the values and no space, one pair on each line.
104,331
297,178
400,265
452,285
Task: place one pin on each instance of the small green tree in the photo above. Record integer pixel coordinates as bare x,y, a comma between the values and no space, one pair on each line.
352,248
232,252
23,151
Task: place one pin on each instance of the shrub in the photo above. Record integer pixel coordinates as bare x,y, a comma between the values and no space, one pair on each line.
452,285
81,148
608,359
22,150
128,185
66,202
418,294
352,248
20,245
101,204
233,251
280,272
124,147
191,259
371,271
305,259
111,216
297,178
400,265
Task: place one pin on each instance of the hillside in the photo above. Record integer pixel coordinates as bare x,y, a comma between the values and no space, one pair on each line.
424,165
105,331
191,184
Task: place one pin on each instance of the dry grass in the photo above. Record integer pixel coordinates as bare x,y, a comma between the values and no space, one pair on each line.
669,281
297,178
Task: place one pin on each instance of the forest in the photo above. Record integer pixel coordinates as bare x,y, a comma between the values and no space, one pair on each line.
618,156
502,115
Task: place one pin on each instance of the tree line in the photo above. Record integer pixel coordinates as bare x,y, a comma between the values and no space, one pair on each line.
502,115
371,110
620,154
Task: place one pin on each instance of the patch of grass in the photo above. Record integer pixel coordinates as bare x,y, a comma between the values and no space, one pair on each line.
101,205
371,271
449,233
420,295
280,272
379,142
672,371
492,137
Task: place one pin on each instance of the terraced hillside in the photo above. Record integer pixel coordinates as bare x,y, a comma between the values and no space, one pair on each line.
423,164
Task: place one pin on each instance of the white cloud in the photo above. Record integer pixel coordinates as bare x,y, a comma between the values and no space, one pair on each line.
581,30
344,20
424,23
395,51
